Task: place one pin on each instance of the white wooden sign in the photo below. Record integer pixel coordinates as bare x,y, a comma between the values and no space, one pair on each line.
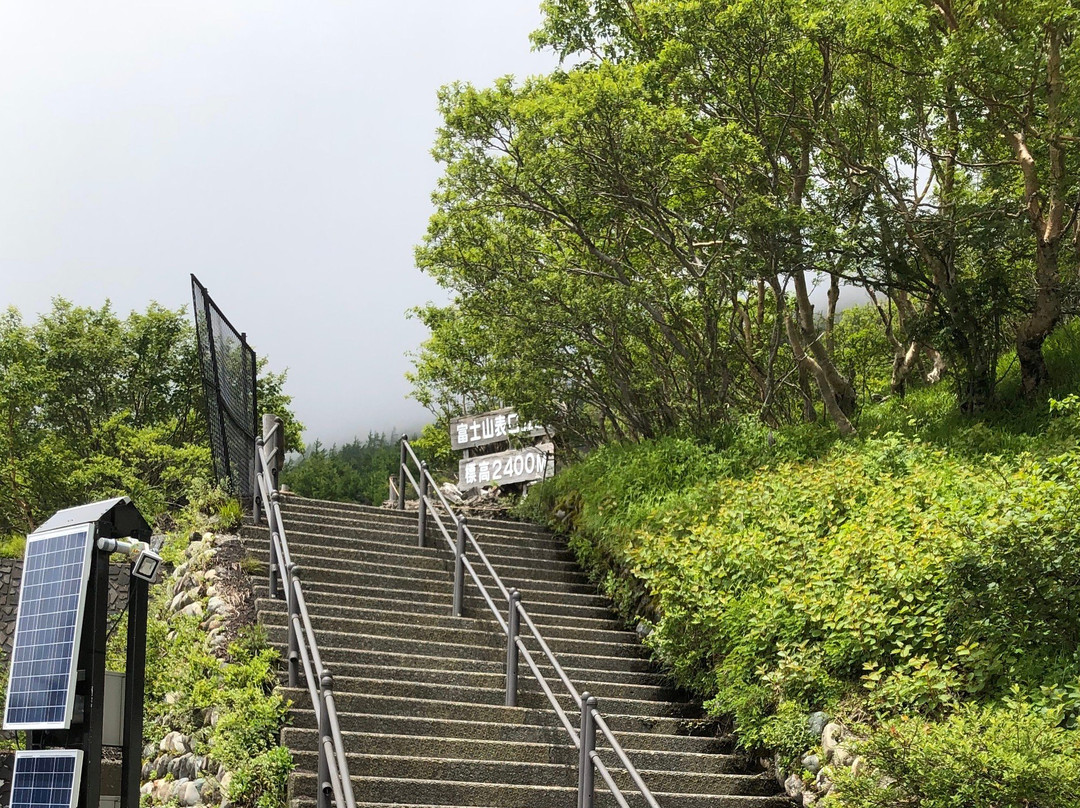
503,468
470,431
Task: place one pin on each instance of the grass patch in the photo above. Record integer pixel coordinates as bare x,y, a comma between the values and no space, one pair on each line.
13,546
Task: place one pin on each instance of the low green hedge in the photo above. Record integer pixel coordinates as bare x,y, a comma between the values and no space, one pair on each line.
880,580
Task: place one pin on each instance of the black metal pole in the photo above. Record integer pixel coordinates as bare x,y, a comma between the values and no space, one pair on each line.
513,624
401,475
588,745
421,529
95,631
459,568
134,691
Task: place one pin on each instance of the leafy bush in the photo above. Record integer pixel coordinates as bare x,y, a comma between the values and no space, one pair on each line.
863,350
13,546
262,782
1012,756
907,573
185,682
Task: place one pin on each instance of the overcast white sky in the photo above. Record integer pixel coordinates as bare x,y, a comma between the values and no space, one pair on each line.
278,150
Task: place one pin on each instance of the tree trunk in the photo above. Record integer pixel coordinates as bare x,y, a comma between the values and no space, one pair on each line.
840,389
830,318
808,359
1044,316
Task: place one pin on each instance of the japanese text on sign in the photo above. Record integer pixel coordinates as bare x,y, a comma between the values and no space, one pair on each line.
503,468
491,427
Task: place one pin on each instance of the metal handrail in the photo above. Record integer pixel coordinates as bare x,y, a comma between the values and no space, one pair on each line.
334,783
591,719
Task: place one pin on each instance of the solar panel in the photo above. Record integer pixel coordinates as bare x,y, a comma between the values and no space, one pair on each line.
48,624
47,779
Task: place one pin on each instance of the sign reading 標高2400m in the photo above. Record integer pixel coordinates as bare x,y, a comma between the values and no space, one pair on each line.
471,431
504,468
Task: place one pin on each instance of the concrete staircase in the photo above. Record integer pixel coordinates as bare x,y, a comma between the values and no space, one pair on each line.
420,693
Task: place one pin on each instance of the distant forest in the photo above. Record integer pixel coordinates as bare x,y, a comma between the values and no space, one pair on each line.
355,472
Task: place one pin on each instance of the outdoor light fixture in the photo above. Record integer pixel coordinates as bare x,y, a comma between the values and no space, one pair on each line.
146,565
146,561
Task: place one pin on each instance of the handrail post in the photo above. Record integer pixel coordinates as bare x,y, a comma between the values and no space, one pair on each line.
512,628
422,524
275,537
326,685
401,474
459,568
588,745
294,614
259,443
274,427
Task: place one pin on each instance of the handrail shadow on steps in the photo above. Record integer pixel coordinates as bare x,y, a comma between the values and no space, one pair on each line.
584,738
334,781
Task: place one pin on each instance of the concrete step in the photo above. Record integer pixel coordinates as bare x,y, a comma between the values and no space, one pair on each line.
553,735
564,753
505,532
338,647
305,545
316,590
353,664
341,647
316,544
319,574
580,627
530,697
369,513
527,555
465,632
353,704
464,793
431,670
514,771
407,530
426,565
435,609
503,772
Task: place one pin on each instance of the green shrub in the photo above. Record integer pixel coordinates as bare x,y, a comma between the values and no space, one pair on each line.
261,781
13,546
924,567
185,681
1012,756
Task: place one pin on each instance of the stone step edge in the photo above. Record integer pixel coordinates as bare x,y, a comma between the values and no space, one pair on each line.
732,777
601,742
557,730
355,681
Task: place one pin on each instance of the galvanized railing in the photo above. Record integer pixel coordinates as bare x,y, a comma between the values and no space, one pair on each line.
591,720
334,782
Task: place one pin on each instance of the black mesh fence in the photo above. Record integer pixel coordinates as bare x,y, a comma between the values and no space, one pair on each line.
228,373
